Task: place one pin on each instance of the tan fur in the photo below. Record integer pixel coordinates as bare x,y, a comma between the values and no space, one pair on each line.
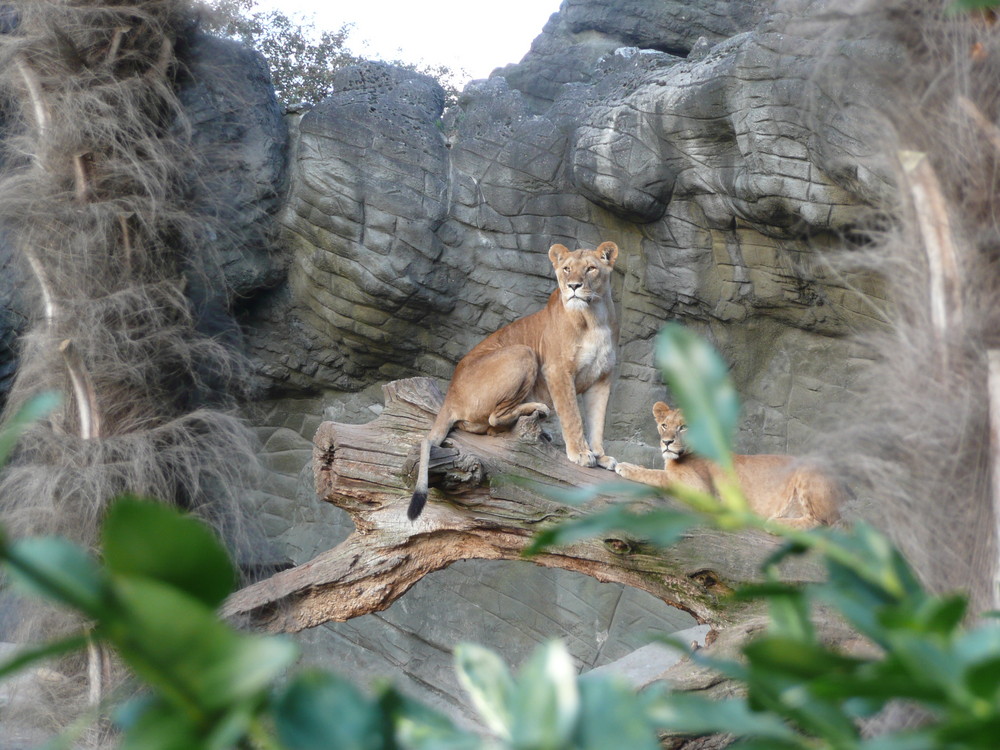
540,362
776,487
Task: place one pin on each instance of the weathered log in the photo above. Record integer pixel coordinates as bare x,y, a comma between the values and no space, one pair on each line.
477,510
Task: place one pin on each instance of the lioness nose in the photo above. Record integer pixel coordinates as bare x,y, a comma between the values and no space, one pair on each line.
574,285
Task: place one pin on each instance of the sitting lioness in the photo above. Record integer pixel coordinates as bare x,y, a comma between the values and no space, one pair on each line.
539,362
776,487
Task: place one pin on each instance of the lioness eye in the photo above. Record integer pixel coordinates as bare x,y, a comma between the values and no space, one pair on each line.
682,428
591,269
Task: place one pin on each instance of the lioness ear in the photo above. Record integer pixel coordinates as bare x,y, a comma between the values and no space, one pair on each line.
660,409
608,252
556,252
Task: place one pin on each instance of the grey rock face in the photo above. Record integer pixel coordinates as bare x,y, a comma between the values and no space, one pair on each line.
724,154
238,128
585,30
365,217
726,179
727,152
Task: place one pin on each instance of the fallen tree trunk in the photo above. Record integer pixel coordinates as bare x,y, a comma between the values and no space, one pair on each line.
477,510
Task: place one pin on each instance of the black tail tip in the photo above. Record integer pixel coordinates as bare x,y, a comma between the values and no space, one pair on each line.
417,503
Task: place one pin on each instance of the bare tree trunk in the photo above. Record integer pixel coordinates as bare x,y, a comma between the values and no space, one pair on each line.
479,511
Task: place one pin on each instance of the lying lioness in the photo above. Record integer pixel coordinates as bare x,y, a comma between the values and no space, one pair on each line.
776,487
539,362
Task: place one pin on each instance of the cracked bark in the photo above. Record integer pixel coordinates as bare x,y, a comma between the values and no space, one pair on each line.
478,511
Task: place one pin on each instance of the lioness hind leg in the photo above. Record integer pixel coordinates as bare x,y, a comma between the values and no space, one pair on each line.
505,417
802,522
476,428
810,495
491,390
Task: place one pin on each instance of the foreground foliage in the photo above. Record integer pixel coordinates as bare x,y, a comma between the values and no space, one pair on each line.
153,596
153,599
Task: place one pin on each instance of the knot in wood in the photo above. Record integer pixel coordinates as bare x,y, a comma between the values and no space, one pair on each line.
529,430
618,547
449,470
710,581
465,474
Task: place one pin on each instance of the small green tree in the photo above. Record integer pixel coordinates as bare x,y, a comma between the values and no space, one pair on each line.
301,57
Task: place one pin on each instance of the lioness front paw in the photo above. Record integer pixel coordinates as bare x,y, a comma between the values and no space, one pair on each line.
625,470
607,462
583,458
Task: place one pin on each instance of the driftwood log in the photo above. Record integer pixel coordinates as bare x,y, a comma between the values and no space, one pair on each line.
477,510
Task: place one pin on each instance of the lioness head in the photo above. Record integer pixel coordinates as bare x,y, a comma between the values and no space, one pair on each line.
583,275
670,425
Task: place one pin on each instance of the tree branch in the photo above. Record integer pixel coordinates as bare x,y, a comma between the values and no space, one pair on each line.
476,511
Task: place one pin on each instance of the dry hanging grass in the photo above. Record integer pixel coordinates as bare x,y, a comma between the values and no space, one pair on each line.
916,443
96,198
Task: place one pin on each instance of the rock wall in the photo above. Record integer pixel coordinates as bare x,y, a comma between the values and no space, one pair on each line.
711,141
374,236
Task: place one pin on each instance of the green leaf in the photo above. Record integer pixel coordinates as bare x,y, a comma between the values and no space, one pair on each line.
978,729
58,570
582,495
979,644
771,744
944,615
790,616
150,722
490,686
659,527
319,711
182,650
792,698
151,540
546,700
764,590
927,662
871,557
34,409
963,6
699,380
921,739
692,714
28,656
231,728
155,725
872,685
981,679
420,728
788,549
799,659
613,716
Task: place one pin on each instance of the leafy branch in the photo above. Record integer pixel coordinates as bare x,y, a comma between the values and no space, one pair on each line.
154,594
800,693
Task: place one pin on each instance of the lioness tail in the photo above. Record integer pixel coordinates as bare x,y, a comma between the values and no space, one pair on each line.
419,498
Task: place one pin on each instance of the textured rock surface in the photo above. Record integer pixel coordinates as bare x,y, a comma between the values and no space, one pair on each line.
408,243
727,177
703,137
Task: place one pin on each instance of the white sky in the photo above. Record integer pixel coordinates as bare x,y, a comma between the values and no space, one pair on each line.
462,34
